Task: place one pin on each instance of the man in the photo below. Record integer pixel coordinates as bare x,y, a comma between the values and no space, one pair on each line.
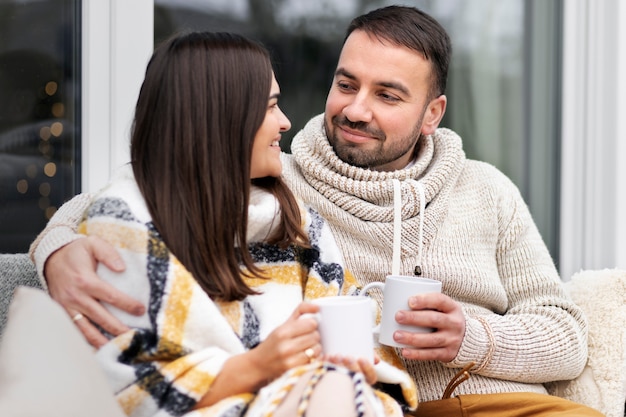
502,314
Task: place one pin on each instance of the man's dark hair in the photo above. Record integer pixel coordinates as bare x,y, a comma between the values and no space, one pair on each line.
414,29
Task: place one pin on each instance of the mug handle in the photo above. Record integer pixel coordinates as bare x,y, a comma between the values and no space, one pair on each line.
379,285
364,291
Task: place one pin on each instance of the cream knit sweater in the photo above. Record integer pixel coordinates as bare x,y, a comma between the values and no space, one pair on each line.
478,239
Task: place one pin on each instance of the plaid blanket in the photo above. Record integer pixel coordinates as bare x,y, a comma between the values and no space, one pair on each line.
172,354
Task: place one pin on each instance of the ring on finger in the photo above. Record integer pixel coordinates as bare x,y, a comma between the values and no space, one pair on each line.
310,353
77,317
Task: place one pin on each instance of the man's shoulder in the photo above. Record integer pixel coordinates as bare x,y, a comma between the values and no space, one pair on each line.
286,158
481,178
484,170
481,174
291,171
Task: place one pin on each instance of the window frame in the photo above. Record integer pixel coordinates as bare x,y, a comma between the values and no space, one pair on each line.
117,44
593,176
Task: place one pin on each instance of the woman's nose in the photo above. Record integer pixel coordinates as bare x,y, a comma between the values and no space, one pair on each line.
285,124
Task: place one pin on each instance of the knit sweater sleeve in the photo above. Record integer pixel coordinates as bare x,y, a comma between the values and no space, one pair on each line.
60,230
542,334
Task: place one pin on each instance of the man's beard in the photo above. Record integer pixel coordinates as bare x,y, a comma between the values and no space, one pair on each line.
380,155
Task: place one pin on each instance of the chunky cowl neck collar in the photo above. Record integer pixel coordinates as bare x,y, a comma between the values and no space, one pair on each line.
367,194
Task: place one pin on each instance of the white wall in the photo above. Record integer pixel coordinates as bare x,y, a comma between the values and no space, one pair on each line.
117,43
593,200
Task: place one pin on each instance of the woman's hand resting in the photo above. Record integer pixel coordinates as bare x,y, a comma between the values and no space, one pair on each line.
286,347
292,344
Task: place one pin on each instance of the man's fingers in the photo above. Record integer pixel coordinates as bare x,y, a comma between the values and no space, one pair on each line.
106,253
422,318
103,318
73,282
87,289
111,295
432,301
422,354
87,302
91,311
90,332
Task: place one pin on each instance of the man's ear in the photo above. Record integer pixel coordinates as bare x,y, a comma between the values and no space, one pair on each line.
433,115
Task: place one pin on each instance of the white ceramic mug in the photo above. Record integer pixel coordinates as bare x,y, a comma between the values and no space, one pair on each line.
346,325
396,292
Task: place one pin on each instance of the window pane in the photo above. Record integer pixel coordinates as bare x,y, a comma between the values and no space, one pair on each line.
39,115
503,84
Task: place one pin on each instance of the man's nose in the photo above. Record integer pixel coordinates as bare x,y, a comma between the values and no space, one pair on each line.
359,109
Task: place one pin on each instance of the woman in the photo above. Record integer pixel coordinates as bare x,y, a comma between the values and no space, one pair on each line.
221,252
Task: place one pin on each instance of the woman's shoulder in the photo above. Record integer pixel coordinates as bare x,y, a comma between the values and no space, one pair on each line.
309,214
316,227
121,199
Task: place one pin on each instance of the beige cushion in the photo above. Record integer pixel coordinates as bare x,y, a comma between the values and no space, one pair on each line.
602,296
46,367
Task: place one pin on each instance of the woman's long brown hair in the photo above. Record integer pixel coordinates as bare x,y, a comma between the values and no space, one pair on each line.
202,101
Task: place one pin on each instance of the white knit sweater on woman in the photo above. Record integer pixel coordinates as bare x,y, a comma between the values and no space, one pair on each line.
479,240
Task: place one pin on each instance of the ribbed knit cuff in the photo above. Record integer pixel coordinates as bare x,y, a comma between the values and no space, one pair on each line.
60,231
477,346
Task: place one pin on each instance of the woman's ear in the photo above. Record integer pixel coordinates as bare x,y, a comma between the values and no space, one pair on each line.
433,115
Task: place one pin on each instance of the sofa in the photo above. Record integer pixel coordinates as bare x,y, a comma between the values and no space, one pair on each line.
46,367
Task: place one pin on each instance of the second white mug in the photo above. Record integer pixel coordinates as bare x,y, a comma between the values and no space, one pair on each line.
396,292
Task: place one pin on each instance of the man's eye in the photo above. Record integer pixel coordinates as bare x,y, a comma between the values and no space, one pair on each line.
388,97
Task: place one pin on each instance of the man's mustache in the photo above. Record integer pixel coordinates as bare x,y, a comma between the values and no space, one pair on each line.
365,128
